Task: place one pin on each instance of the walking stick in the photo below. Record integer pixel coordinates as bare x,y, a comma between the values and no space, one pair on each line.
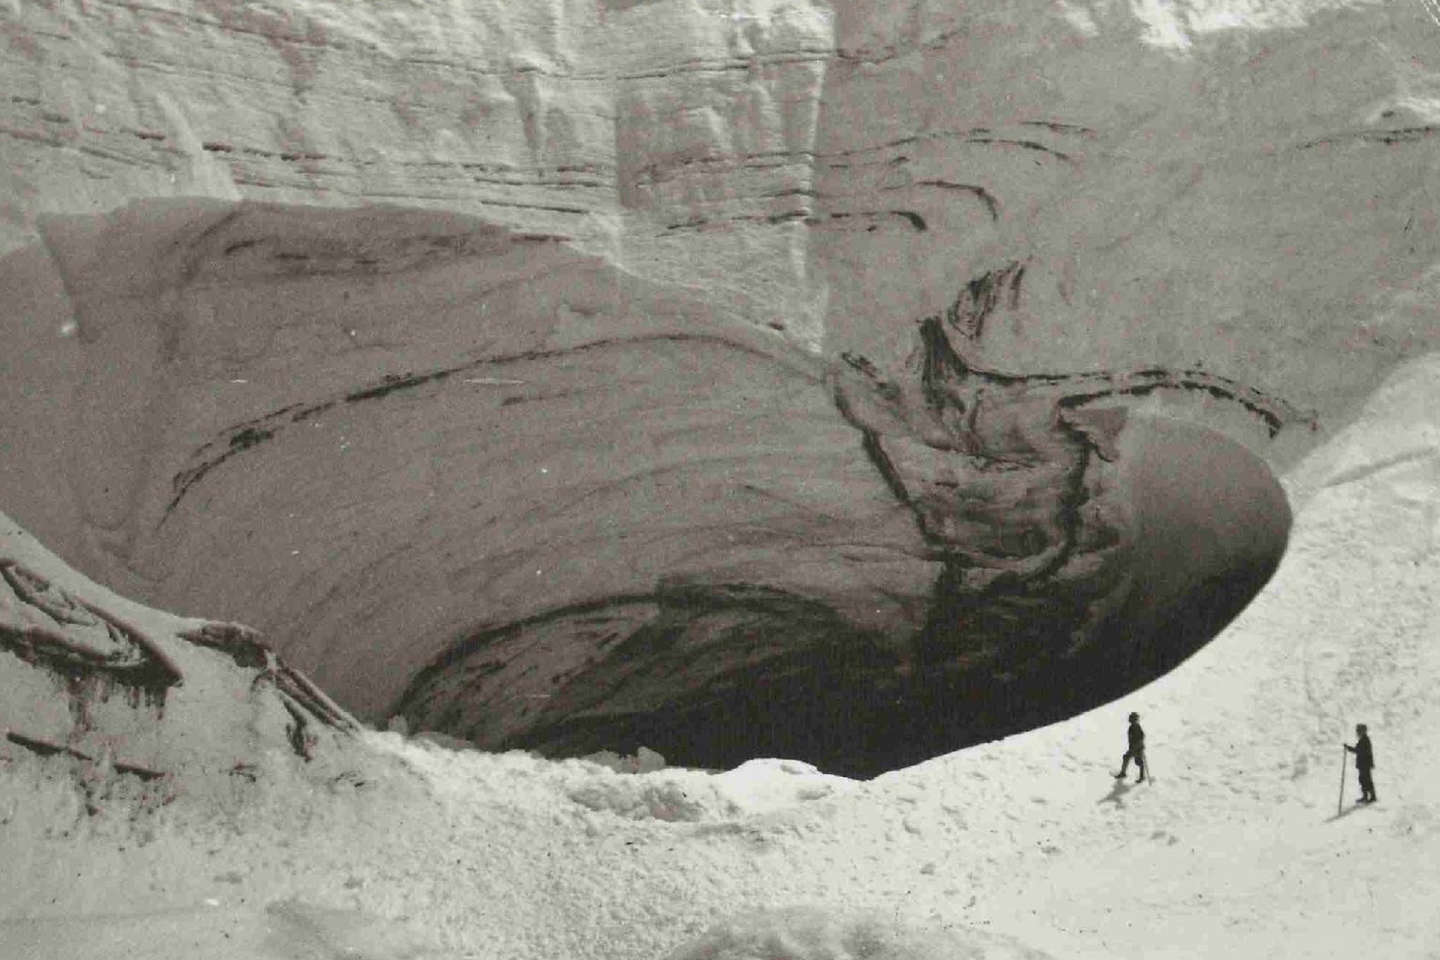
1340,804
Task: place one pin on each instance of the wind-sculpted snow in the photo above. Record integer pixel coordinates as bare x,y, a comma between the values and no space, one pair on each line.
120,692
46,627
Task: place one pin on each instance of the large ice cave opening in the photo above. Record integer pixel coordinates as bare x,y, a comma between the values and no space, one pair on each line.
522,497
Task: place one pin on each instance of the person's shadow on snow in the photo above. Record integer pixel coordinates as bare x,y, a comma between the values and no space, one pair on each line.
1346,812
1116,794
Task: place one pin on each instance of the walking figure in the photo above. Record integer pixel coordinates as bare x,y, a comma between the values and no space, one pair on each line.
1137,750
1364,763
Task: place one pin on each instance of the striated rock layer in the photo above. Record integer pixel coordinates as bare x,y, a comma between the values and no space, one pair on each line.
843,383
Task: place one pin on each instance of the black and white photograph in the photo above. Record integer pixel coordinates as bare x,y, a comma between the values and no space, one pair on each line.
719,479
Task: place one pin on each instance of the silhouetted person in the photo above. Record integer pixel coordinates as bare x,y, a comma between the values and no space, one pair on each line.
1137,750
1364,763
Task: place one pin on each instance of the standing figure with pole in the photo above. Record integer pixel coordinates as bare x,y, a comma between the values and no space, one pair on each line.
1364,763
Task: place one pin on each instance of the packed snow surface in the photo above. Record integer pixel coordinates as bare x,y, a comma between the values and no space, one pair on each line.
1026,847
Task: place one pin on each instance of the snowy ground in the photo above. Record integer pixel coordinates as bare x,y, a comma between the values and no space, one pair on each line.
1024,847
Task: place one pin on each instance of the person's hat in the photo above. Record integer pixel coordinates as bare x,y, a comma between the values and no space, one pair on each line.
1134,716
1361,727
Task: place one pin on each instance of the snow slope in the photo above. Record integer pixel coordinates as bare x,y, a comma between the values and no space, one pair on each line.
192,294
1024,847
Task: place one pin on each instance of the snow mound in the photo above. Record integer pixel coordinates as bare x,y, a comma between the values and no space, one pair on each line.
815,933
754,788
641,797
643,760
762,786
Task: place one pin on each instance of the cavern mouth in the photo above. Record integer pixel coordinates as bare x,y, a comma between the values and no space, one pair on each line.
605,515
711,675
1212,526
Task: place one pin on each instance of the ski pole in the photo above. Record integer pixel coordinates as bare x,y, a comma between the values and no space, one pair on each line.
1340,804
